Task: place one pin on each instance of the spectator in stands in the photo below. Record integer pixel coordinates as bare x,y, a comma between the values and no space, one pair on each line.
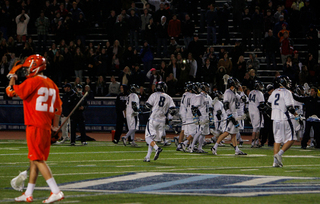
307,16
226,63
121,30
163,69
3,47
193,67
297,4
253,62
68,26
268,23
127,56
78,61
289,70
278,26
162,35
187,30
173,68
277,15
42,24
133,7
110,25
134,26
63,12
12,61
125,76
310,62
219,78
172,46
257,24
77,81
174,27
27,50
284,29
89,83
237,13
295,25
240,68
159,13
81,25
100,87
150,34
114,87
68,63
236,52
153,77
11,45
296,59
172,84
212,57
270,48
223,16
116,55
183,76
304,75
137,76
212,20
58,65
102,63
146,55
246,28
75,11
145,19
143,95
4,70
90,95
208,71
22,21
197,49
286,48
313,43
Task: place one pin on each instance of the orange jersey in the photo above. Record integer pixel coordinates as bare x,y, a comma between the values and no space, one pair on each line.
41,101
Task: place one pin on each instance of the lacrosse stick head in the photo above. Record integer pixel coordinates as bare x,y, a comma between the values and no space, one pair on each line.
17,183
225,79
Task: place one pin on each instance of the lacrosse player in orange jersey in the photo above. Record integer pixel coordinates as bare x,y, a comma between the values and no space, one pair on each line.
42,109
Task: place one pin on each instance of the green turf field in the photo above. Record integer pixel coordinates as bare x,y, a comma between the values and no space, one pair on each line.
210,177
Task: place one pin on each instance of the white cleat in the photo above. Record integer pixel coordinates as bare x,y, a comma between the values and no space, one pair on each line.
279,159
124,140
240,153
146,159
133,144
176,141
54,197
214,151
24,198
184,147
275,165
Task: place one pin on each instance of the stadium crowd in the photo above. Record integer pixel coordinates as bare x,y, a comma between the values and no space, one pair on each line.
163,29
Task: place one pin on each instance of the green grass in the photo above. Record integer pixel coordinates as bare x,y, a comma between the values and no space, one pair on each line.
104,159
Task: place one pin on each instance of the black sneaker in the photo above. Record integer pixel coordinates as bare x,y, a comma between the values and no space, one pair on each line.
115,141
72,144
156,156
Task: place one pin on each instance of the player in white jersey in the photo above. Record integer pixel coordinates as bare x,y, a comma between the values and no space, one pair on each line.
182,113
232,127
219,115
282,103
256,105
204,105
298,106
160,104
191,120
132,111
242,110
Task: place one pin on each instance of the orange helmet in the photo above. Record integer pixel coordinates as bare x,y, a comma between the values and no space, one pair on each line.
34,64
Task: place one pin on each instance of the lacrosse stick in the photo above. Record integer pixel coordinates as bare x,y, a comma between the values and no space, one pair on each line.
17,183
225,80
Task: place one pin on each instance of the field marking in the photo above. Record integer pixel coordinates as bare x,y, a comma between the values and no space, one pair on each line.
249,169
258,181
89,165
86,184
173,183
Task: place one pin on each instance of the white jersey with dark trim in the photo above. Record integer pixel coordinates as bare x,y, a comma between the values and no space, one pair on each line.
190,100
280,99
183,106
255,98
231,97
240,104
161,102
298,106
133,97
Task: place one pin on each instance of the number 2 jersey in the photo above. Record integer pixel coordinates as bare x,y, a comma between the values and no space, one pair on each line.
41,101
280,99
161,102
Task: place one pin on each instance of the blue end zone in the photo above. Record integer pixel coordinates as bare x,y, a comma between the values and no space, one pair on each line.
196,184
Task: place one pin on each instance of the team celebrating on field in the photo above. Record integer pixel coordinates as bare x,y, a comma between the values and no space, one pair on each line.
198,110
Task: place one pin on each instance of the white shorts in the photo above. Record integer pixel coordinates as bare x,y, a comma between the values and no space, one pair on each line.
257,121
241,124
220,126
204,129
133,122
190,129
155,130
283,131
230,128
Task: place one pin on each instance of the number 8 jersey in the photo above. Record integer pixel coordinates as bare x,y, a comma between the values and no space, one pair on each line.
161,102
280,99
41,101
